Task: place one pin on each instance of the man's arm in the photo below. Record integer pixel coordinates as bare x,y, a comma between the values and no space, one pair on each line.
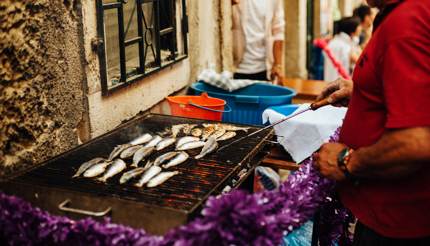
397,154
278,47
277,60
278,32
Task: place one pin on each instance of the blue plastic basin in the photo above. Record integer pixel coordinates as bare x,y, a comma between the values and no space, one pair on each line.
248,104
285,109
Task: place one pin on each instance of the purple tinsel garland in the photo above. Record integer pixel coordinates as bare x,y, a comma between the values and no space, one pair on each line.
237,218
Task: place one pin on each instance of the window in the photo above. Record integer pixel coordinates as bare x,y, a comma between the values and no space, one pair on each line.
138,38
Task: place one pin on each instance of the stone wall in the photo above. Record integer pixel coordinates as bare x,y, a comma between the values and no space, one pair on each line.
41,80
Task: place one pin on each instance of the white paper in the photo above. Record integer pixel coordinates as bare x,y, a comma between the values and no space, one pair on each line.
302,135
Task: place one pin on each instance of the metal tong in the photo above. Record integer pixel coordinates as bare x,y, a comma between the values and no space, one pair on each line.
314,106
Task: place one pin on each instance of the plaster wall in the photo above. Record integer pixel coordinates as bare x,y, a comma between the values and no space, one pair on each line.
108,112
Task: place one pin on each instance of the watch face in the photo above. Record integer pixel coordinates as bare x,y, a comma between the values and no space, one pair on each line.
341,158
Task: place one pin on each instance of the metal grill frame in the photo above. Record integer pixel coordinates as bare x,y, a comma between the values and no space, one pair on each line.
49,185
141,40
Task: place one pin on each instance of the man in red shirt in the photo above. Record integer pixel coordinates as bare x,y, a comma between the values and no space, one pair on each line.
382,162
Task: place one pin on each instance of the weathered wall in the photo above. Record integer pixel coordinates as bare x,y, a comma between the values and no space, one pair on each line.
41,80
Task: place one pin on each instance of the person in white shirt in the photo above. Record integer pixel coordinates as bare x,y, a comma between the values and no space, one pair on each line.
344,47
258,35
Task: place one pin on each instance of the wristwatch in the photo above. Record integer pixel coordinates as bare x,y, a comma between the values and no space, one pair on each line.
342,162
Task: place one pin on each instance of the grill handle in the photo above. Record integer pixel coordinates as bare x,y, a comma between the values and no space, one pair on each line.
64,206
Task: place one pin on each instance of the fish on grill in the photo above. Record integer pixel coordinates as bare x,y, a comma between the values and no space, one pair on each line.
166,142
154,141
129,152
131,174
141,139
185,140
227,127
197,132
164,157
235,128
161,178
96,169
179,158
87,165
207,132
148,175
140,154
176,129
226,136
115,168
191,145
210,146
117,151
218,133
187,129
166,132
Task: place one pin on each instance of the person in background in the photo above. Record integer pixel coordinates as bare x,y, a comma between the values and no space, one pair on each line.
344,47
258,36
365,14
382,160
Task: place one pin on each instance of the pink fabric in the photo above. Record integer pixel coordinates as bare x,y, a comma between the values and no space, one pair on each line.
323,44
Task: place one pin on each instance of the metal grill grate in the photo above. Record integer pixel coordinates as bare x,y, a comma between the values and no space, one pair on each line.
198,179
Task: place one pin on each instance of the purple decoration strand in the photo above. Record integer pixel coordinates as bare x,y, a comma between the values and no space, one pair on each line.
237,218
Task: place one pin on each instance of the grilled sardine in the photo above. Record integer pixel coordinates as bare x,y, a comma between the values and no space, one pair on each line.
87,165
196,132
142,139
191,145
140,154
148,175
209,147
117,166
235,128
187,129
154,141
131,174
129,152
117,150
96,169
227,136
179,158
185,140
165,157
161,178
177,128
207,132
166,142
218,133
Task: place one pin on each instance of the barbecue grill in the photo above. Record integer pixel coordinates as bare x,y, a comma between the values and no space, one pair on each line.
158,209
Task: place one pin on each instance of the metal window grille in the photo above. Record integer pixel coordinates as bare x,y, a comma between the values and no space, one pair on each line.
160,35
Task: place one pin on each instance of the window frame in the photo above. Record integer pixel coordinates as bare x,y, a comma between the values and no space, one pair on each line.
140,40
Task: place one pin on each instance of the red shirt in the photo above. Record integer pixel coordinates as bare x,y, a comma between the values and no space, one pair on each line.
392,90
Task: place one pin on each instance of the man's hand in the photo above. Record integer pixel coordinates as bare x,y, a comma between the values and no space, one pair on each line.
337,92
326,161
276,74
